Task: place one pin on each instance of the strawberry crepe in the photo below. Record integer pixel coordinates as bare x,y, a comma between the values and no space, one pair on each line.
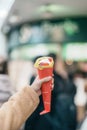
44,66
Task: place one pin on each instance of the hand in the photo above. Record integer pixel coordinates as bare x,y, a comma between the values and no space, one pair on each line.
38,82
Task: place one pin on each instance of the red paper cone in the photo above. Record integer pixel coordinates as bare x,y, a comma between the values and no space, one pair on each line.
45,68
46,89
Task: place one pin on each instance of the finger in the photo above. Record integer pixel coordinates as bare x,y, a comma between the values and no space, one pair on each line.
52,80
46,79
52,86
37,77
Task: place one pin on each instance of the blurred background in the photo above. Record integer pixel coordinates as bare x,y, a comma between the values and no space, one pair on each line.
30,28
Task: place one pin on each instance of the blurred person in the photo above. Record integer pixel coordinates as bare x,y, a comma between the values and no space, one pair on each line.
21,105
6,89
83,125
63,110
80,79
63,96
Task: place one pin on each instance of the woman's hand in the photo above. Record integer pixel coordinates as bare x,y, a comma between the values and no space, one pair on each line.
38,82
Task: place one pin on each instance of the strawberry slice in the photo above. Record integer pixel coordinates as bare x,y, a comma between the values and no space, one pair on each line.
44,64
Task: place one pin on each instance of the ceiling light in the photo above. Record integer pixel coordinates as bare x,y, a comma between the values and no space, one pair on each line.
52,8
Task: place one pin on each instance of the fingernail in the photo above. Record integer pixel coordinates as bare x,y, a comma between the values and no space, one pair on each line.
49,77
